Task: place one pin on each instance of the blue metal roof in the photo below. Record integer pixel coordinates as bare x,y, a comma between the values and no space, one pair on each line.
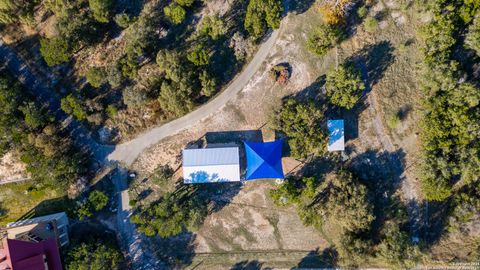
264,160
336,139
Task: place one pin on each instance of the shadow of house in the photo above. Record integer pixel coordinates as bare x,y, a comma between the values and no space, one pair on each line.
315,259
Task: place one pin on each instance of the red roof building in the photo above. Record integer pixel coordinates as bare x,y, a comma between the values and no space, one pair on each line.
26,255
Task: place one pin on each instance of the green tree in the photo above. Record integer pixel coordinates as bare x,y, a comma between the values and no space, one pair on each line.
101,9
98,200
55,50
175,98
124,20
323,38
303,125
208,84
213,26
96,76
344,86
262,14
175,13
472,39
34,118
94,256
396,249
72,105
199,56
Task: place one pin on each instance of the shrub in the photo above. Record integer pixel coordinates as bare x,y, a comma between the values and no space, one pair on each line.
55,51
124,20
393,121
323,38
98,200
96,76
101,9
208,84
175,13
334,11
161,175
185,3
133,97
362,12
472,39
370,24
111,110
344,86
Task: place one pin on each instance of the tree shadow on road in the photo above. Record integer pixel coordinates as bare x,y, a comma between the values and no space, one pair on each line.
314,259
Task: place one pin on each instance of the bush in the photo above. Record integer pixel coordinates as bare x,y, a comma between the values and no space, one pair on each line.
303,125
98,200
472,39
175,13
370,24
162,175
393,121
111,110
123,20
323,38
101,9
335,12
362,12
185,3
133,97
344,86
96,76
55,51
396,249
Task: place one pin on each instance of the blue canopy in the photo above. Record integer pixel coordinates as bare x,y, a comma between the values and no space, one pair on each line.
264,160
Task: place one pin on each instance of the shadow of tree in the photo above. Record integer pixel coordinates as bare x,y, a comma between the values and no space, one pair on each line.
174,252
315,259
248,265
373,60
299,6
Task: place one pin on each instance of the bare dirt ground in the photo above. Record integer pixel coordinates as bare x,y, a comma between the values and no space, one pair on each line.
251,222
11,169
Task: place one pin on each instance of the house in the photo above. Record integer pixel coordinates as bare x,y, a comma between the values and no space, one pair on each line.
210,165
32,244
336,138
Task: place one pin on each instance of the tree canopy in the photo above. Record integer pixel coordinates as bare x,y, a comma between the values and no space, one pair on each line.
344,86
303,124
261,15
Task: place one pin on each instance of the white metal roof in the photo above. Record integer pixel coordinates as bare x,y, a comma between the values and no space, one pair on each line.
211,165
336,138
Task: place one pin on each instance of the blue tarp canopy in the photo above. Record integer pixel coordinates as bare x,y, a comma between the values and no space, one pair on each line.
264,160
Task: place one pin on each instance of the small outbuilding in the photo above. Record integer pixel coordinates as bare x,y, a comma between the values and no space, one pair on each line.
210,165
264,160
336,138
